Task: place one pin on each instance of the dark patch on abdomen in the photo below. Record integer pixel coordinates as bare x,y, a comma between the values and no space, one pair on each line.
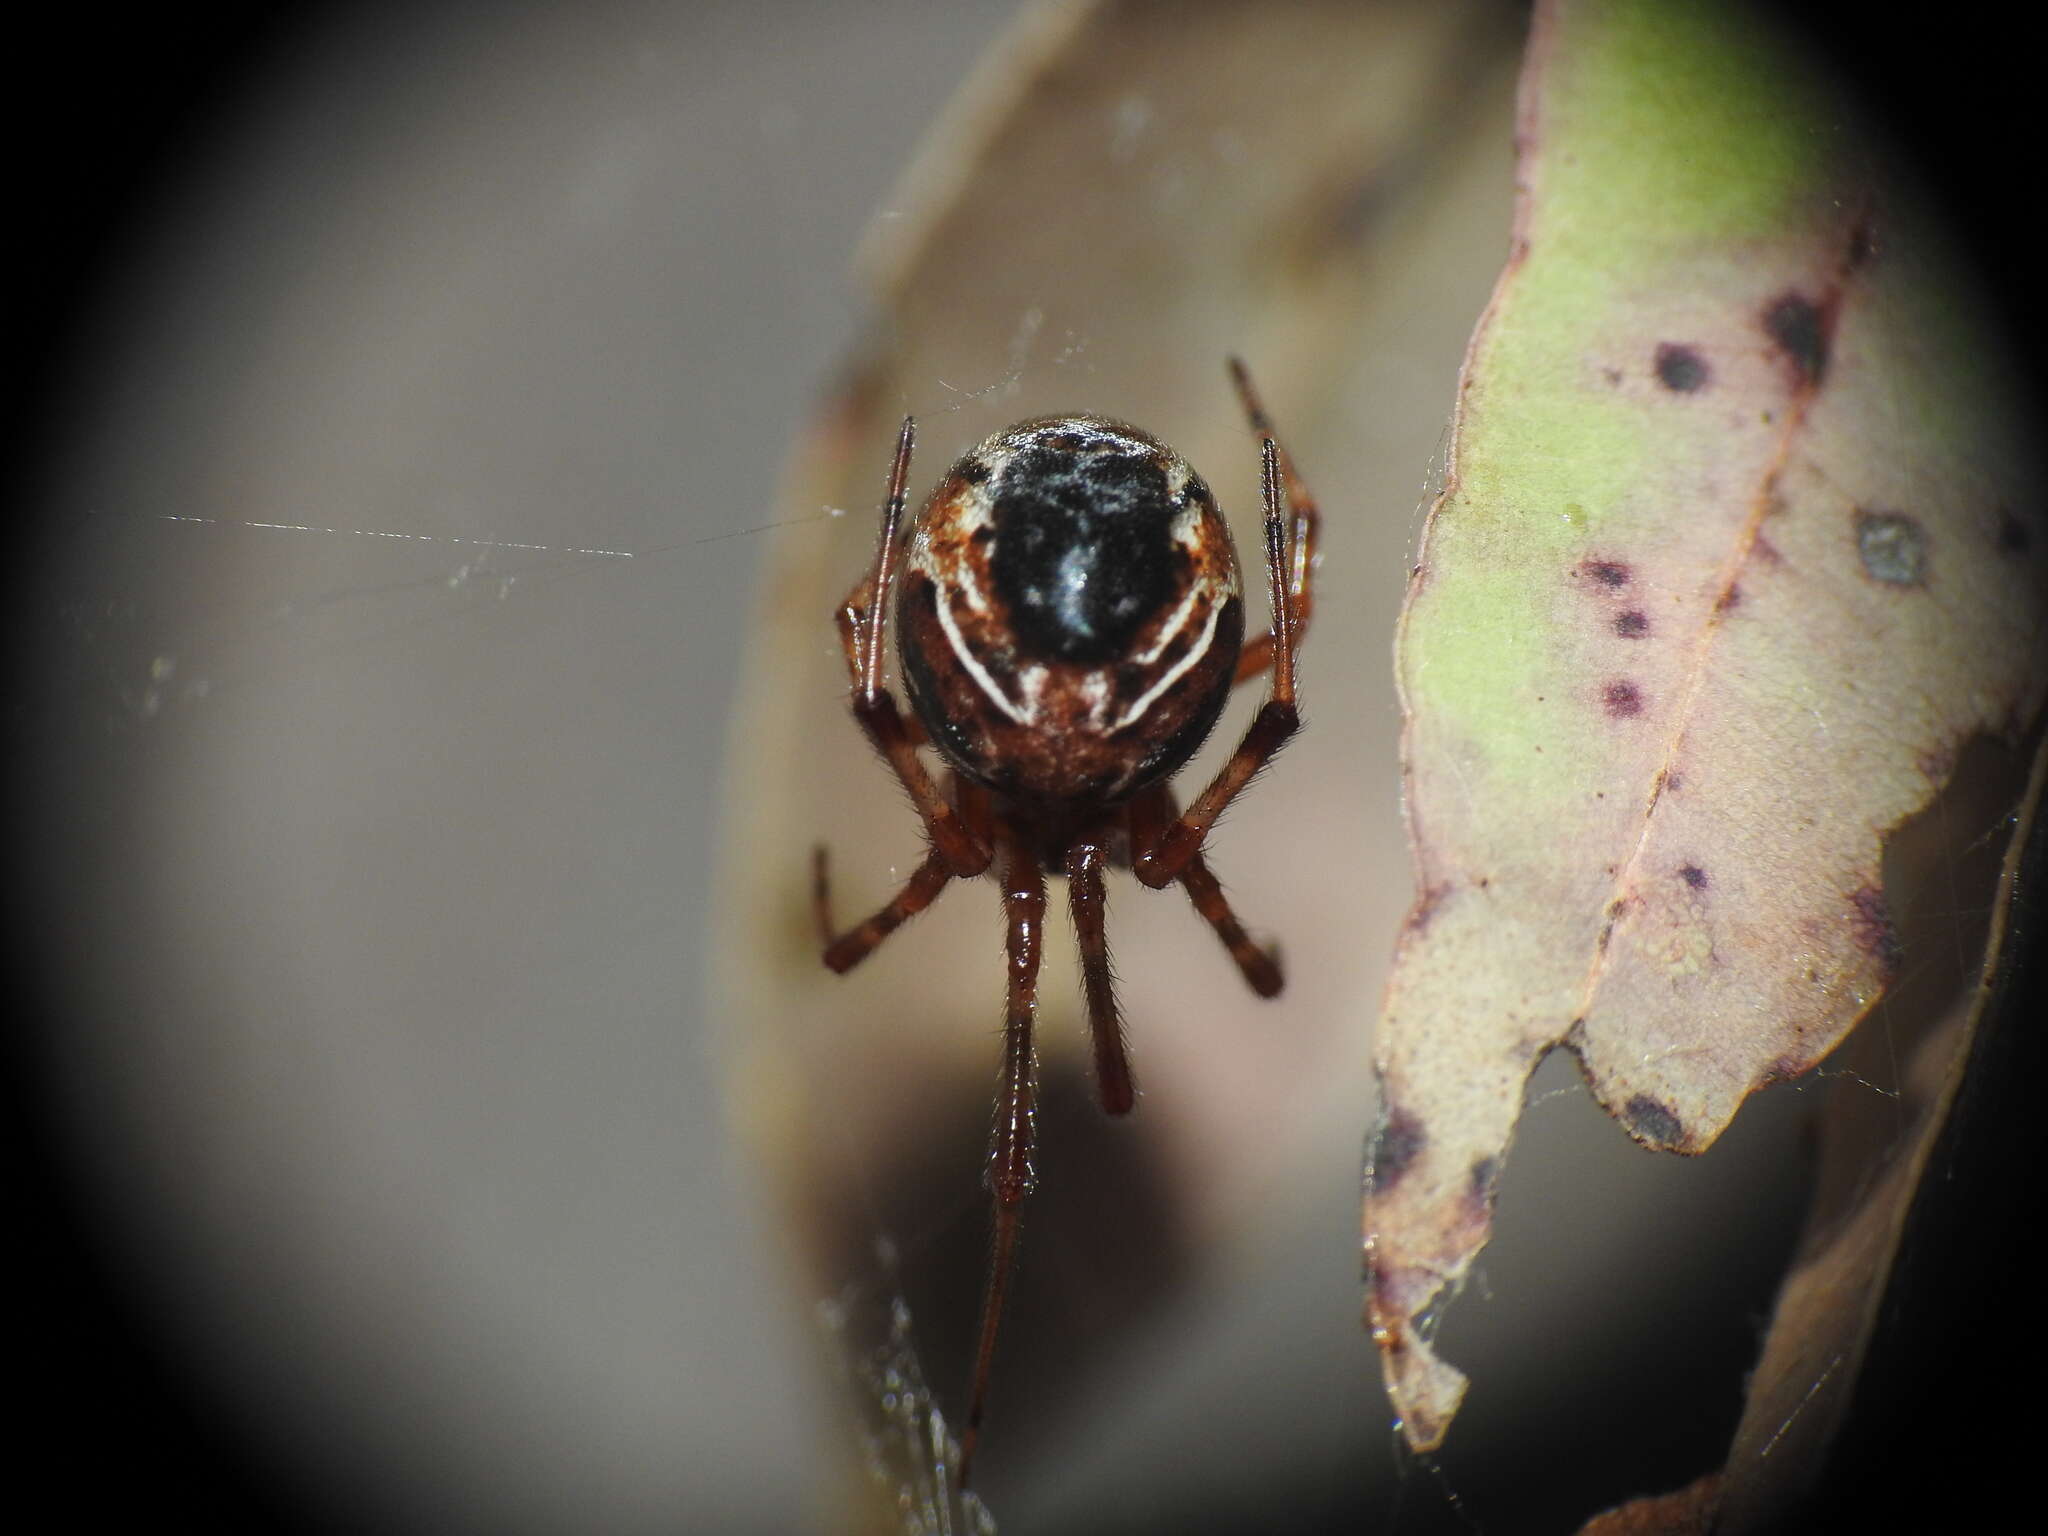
1084,552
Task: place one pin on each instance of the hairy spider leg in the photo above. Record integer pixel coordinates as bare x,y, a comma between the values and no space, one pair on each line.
1152,811
1089,904
1014,1136
1160,863
846,950
863,631
843,951
1257,655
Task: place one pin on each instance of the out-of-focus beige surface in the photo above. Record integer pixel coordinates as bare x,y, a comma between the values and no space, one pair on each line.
381,853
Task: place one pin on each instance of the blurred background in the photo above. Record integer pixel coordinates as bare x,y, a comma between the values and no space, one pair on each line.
410,392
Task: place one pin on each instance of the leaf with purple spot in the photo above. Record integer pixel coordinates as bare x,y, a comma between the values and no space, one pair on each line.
1729,553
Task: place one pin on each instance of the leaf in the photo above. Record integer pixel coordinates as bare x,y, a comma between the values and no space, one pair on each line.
1897,1176
1736,553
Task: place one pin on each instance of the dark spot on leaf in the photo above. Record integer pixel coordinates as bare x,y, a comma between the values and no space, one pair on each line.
1730,596
1765,550
1425,909
1653,1122
1680,368
2014,537
1785,1068
1609,573
1483,1174
1937,762
1872,926
1632,625
1673,782
1693,876
1613,376
1622,699
1800,328
1395,1146
1893,547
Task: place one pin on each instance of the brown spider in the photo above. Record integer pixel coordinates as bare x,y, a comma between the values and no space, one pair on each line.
1071,621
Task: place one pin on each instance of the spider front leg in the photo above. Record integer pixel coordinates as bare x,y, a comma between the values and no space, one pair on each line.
863,631
1014,1138
1257,656
1161,862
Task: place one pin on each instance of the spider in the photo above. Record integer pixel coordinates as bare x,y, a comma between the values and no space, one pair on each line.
1070,622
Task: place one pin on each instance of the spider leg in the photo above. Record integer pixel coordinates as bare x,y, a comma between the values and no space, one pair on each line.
1010,1174
1307,524
844,951
863,632
1161,861
1153,810
1098,983
1260,969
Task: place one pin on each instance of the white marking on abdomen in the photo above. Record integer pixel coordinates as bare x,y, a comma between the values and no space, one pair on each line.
1176,671
1173,627
979,673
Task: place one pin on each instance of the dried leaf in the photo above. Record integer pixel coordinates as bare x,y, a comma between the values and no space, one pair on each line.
1734,557
1886,1169
1807,1376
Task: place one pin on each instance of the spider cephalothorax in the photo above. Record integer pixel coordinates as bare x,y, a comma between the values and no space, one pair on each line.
1070,621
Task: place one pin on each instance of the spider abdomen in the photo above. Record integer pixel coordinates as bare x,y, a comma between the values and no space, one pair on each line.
1071,612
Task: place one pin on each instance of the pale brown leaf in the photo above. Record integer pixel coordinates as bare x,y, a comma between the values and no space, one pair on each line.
1736,554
